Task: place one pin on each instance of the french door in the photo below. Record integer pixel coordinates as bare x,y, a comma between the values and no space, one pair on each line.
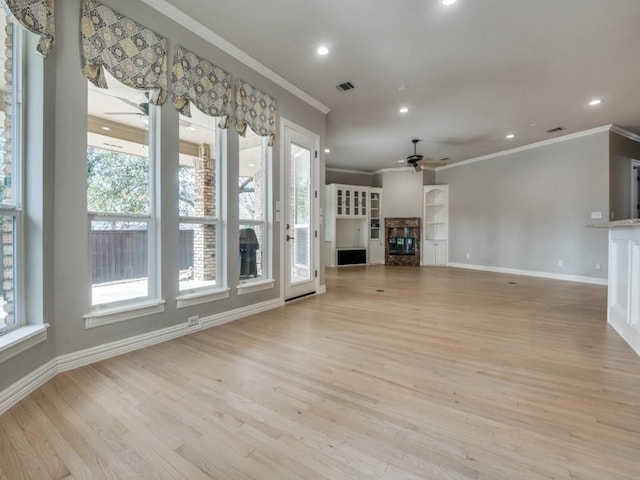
300,211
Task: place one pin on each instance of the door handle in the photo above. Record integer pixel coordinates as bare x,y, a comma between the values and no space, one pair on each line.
289,237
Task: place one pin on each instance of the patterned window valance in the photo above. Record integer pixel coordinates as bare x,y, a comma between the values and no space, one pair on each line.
37,17
256,110
133,54
196,80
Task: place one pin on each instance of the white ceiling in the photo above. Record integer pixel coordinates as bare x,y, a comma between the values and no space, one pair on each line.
473,72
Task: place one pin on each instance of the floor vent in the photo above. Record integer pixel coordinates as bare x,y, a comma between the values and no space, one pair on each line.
343,87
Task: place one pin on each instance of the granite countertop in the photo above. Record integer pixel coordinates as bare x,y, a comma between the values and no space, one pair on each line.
631,222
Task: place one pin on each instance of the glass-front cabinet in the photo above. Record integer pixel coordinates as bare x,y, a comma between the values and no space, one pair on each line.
376,235
374,219
353,232
351,201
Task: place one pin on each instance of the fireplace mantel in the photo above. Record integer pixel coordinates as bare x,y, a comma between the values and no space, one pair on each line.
402,241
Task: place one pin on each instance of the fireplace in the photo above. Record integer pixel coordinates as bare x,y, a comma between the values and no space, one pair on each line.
402,241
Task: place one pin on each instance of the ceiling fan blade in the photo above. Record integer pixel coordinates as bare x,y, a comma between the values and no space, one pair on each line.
124,113
131,103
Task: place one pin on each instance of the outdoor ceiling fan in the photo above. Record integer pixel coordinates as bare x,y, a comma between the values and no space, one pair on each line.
143,110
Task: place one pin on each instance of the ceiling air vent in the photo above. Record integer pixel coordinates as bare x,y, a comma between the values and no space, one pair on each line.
343,87
555,129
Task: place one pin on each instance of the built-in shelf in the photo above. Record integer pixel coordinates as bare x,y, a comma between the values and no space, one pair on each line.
353,224
436,224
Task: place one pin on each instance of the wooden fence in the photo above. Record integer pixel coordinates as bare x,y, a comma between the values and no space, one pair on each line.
118,255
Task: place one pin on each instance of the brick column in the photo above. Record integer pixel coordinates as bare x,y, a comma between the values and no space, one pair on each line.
204,240
7,251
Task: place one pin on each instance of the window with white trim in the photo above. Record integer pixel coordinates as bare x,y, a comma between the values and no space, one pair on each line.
199,176
254,185
11,165
121,182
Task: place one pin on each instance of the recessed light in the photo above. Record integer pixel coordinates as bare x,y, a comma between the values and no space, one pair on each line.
404,110
594,102
106,128
510,136
448,2
402,88
251,164
327,150
322,50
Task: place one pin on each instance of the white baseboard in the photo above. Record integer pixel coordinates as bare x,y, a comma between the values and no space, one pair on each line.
230,316
533,273
108,350
27,384
322,289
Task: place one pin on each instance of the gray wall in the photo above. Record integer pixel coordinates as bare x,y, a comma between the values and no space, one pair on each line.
622,151
348,178
402,193
65,228
429,177
528,210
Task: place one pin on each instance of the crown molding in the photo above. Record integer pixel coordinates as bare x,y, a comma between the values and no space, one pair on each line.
393,169
216,40
543,143
346,170
625,133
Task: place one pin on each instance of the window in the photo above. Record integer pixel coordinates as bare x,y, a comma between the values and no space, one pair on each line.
120,194
11,161
254,212
199,204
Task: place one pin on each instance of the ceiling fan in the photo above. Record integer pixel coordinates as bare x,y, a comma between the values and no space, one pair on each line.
416,160
143,110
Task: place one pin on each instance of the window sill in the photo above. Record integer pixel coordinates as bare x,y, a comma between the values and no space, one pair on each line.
21,339
107,316
198,298
256,286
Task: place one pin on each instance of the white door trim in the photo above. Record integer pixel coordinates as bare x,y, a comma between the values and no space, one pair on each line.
281,204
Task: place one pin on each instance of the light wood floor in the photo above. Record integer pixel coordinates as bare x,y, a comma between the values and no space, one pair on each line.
395,373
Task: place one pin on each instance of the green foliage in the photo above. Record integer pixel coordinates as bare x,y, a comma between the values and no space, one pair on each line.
117,182
187,191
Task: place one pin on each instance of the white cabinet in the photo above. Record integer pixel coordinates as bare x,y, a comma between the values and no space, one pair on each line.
436,224
360,202
435,252
376,236
624,282
353,224
350,201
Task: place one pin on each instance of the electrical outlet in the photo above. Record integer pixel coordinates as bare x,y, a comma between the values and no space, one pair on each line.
596,215
468,256
561,263
193,321
598,266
